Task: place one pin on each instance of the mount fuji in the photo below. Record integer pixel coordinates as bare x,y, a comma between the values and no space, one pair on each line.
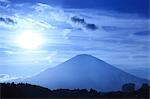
85,71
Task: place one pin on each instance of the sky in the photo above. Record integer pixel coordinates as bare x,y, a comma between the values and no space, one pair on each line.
115,31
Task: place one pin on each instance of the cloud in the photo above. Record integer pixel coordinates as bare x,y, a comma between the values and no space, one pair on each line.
111,28
91,26
5,1
142,33
82,22
3,76
78,20
6,77
141,56
7,20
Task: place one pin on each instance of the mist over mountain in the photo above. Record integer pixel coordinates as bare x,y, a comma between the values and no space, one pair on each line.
85,71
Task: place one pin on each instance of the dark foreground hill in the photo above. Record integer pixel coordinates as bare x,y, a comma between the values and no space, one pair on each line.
11,90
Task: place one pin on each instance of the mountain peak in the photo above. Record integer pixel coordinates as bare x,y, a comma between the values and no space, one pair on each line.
86,60
85,57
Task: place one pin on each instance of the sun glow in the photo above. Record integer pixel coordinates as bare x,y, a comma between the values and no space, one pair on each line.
30,40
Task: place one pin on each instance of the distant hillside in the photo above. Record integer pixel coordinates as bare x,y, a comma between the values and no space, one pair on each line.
85,72
11,90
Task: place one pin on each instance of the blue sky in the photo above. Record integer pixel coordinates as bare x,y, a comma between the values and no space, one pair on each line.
115,31
128,6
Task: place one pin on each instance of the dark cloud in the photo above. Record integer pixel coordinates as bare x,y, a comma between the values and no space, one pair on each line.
91,26
142,33
7,20
82,22
76,19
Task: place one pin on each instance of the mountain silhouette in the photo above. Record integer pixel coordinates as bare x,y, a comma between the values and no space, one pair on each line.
85,71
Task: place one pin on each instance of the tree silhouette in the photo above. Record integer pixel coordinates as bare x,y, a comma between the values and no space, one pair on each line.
128,88
21,90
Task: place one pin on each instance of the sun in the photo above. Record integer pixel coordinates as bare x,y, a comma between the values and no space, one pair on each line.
30,40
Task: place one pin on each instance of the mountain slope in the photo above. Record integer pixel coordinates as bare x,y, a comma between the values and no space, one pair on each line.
85,71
